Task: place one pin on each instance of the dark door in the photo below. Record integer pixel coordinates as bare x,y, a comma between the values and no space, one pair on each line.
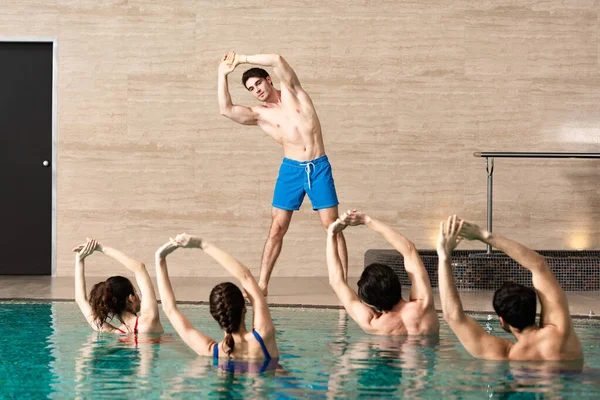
25,145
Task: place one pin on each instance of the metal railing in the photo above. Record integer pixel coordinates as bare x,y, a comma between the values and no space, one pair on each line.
489,167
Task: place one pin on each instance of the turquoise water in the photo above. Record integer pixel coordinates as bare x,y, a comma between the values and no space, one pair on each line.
48,351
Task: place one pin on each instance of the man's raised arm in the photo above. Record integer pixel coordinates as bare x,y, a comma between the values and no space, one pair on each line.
555,309
358,311
281,68
420,284
472,336
240,114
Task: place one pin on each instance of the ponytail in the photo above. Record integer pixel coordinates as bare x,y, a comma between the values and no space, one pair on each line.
109,299
227,308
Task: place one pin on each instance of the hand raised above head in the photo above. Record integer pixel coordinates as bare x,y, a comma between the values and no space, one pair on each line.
225,68
336,226
188,241
449,236
345,217
167,248
85,250
471,231
228,62
235,59
354,218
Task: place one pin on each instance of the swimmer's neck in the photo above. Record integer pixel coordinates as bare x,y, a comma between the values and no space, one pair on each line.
274,100
397,307
237,336
527,331
128,319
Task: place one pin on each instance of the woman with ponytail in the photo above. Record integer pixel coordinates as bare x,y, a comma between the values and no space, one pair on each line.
116,296
227,307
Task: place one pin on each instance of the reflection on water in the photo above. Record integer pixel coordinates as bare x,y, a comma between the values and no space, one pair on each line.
48,351
119,364
381,366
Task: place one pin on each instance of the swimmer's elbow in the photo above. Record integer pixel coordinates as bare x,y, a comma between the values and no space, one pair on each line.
540,264
335,280
246,275
225,108
452,316
139,266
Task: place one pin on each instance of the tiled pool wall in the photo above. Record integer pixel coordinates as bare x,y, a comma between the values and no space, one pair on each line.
477,270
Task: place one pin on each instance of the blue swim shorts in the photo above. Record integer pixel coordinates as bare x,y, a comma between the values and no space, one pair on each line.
297,178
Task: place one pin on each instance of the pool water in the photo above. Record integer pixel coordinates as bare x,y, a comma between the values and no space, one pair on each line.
48,351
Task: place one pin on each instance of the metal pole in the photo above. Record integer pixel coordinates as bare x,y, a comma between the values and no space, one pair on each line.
509,154
490,187
506,154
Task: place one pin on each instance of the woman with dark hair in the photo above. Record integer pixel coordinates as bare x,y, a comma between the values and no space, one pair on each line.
116,296
227,307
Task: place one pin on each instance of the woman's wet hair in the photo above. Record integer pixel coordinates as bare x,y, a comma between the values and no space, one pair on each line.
227,308
109,299
379,287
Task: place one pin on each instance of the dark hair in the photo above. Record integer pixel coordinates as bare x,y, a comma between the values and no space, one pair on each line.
379,287
109,299
227,308
516,304
254,73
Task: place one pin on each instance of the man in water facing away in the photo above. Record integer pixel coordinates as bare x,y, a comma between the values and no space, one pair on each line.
379,308
553,340
289,117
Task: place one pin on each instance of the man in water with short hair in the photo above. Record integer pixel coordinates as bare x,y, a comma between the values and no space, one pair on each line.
554,339
379,308
289,117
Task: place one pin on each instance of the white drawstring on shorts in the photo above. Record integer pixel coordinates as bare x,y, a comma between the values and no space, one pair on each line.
307,169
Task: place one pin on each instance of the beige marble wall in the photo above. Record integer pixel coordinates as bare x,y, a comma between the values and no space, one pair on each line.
406,92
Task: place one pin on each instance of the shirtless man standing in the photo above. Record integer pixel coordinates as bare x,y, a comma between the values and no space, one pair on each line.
288,116
554,339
